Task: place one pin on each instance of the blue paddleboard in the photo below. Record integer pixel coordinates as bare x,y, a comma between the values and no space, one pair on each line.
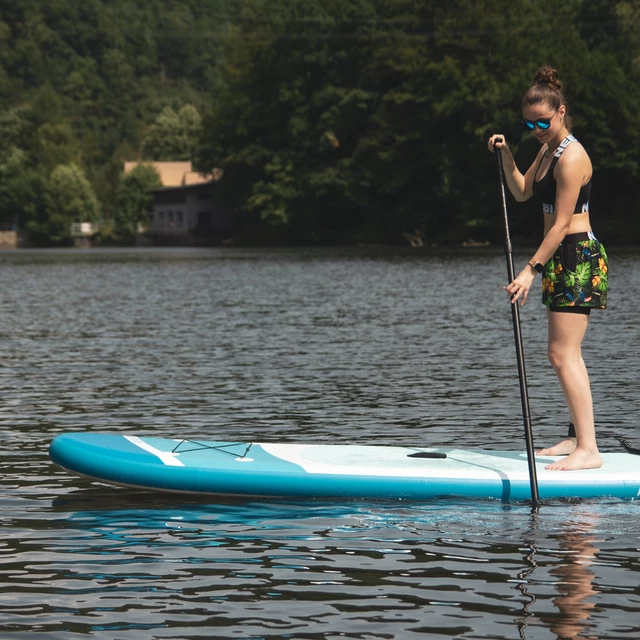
330,471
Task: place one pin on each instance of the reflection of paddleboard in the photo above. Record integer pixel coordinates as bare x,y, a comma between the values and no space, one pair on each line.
341,471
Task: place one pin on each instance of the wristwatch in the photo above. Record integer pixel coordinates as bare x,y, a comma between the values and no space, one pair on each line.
536,265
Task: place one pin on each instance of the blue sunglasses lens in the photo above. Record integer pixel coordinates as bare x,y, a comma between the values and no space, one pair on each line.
545,123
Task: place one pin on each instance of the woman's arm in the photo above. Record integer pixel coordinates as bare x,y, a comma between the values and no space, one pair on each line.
520,186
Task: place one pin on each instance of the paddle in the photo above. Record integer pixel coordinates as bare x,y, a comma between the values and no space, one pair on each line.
517,332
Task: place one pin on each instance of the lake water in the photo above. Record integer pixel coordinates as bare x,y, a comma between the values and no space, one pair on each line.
364,345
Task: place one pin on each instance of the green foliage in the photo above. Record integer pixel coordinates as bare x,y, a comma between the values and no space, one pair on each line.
20,187
82,81
334,121
173,136
68,198
351,120
628,14
583,274
133,201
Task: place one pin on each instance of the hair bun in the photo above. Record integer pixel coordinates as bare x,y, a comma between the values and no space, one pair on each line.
548,75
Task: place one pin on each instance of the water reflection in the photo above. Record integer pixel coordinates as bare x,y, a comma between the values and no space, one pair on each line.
569,573
575,580
337,557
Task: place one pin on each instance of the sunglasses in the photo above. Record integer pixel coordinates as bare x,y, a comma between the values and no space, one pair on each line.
542,123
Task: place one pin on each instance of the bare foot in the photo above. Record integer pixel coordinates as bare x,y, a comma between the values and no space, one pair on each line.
561,449
579,459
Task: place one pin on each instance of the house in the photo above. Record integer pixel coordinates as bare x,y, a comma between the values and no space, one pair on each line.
185,209
188,215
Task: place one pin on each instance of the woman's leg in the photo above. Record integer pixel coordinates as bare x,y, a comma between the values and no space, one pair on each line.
566,331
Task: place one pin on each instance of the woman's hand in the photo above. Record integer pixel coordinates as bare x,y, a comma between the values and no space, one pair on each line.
519,288
498,141
519,185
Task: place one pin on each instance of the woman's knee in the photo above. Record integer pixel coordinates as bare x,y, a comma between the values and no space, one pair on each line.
555,357
559,357
562,358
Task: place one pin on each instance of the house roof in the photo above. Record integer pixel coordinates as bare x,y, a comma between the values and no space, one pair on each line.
193,177
175,174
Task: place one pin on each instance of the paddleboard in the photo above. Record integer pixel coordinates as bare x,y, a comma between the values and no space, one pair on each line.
330,471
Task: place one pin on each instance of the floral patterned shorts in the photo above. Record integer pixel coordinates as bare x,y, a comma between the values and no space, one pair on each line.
577,274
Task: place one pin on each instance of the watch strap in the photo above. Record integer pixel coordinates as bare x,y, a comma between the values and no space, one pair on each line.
536,265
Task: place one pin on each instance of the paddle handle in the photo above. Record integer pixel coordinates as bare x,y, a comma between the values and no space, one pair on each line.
507,236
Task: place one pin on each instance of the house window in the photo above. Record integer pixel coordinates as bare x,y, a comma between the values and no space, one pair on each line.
161,219
179,219
170,221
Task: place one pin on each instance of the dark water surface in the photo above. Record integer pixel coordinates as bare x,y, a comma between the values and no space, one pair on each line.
345,346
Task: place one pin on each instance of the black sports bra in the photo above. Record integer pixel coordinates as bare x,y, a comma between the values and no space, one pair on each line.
545,189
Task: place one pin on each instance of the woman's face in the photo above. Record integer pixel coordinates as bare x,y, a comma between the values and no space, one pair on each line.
546,113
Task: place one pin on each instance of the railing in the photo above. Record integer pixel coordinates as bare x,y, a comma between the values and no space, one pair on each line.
79,229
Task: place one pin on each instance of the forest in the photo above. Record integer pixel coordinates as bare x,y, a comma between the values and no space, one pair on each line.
334,122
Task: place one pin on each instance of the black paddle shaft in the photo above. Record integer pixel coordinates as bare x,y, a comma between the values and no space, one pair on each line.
517,332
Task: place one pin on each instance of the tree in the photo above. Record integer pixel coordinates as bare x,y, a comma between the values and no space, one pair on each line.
628,13
133,201
367,120
20,188
173,136
335,121
68,198
91,75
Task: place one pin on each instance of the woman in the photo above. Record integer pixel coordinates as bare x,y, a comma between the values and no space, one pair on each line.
572,262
